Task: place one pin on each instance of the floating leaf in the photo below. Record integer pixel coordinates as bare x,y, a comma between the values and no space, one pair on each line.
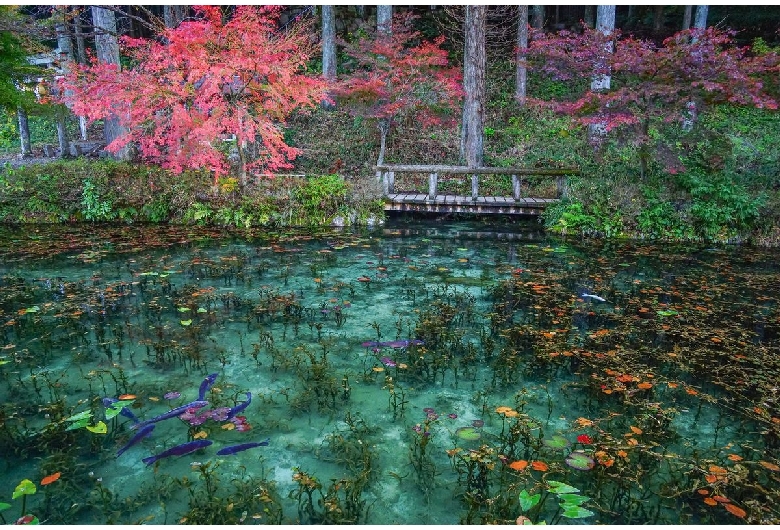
50,478
79,424
100,428
735,510
537,465
735,458
117,407
468,433
25,487
561,487
184,309
575,512
200,434
528,501
769,465
33,309
573,499
519,465
186,322
579,460
87,414
202,310
667,313
710,501
556,442
635,430
718,470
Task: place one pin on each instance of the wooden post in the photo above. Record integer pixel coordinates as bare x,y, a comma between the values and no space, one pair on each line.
515,187
561,184
391,181
385,182
474,187
432,184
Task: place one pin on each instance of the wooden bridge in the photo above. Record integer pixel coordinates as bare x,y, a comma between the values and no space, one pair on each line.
442,203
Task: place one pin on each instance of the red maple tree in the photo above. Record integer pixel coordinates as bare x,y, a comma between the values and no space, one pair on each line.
396,73
204,82
690,70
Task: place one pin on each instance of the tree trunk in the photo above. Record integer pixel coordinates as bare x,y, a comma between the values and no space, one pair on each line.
81,58
589,17
66,58
537,19
24,132
107,51
384,18
521,72
605,24
384,128
328,49
474,62
173,15
701,17
658,19
687,18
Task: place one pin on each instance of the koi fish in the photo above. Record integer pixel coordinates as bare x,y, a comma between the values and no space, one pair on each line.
238,408
233,449
594,297
205,385
178,450
178,411
145,431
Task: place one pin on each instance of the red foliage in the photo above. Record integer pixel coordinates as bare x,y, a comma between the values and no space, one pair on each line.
398,74
652,82
201,83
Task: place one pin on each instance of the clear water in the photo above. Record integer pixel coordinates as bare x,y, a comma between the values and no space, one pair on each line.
667,386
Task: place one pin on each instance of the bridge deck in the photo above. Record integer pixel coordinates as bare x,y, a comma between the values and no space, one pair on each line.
420,202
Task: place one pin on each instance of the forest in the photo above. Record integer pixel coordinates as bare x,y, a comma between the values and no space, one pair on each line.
259,115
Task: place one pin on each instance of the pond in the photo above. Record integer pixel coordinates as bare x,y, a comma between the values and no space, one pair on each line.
421,372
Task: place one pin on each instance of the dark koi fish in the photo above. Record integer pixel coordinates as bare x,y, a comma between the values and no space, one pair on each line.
178,450
205,385
238,408
178,411
233,449
145,431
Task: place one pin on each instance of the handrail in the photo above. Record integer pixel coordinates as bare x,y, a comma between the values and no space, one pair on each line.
387,172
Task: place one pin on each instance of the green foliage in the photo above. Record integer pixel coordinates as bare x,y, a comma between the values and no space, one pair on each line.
93,208
570,503
322,197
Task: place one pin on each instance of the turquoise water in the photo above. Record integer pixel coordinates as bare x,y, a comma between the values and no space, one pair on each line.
417,373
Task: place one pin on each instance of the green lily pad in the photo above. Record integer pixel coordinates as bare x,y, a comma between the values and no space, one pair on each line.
117,407
667,312
575,512
202,310
87,414
33,309
556,442
183,309
561,487
579,460
25,487
79,424
185,322
4,361
468,433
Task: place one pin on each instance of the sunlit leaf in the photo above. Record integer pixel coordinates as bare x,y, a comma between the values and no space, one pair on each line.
80,416
25,487
561,487
186,322
79,424
100,428
575,512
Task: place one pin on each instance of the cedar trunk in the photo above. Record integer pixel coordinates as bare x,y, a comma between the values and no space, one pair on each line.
474,62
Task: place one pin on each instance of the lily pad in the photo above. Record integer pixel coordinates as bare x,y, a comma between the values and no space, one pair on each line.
100,428
79,424
185,322
33,309
183,309
117,407
667,312
581,461
202,310
556,442
468,433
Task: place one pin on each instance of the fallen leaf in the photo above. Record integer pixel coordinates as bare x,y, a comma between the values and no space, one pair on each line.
769,465
735,458
710,501
50,478
519,465
735,510
635,430
539,466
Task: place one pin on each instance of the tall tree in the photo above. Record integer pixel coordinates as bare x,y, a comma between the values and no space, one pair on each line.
701,17
686,25
174,15
521,71
537,18
61,113
398,74
384,18
211,80
81,56
601,80
474,64
328,49
24,132
107,51
590,16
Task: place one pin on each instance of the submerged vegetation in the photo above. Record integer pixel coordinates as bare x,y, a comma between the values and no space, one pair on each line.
417,373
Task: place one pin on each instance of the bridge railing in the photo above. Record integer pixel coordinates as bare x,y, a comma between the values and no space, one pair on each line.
387,172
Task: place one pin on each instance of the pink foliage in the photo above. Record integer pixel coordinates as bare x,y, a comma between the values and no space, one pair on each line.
651,82
201,83
398,73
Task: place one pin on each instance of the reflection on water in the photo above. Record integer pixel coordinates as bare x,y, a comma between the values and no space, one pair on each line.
419,373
